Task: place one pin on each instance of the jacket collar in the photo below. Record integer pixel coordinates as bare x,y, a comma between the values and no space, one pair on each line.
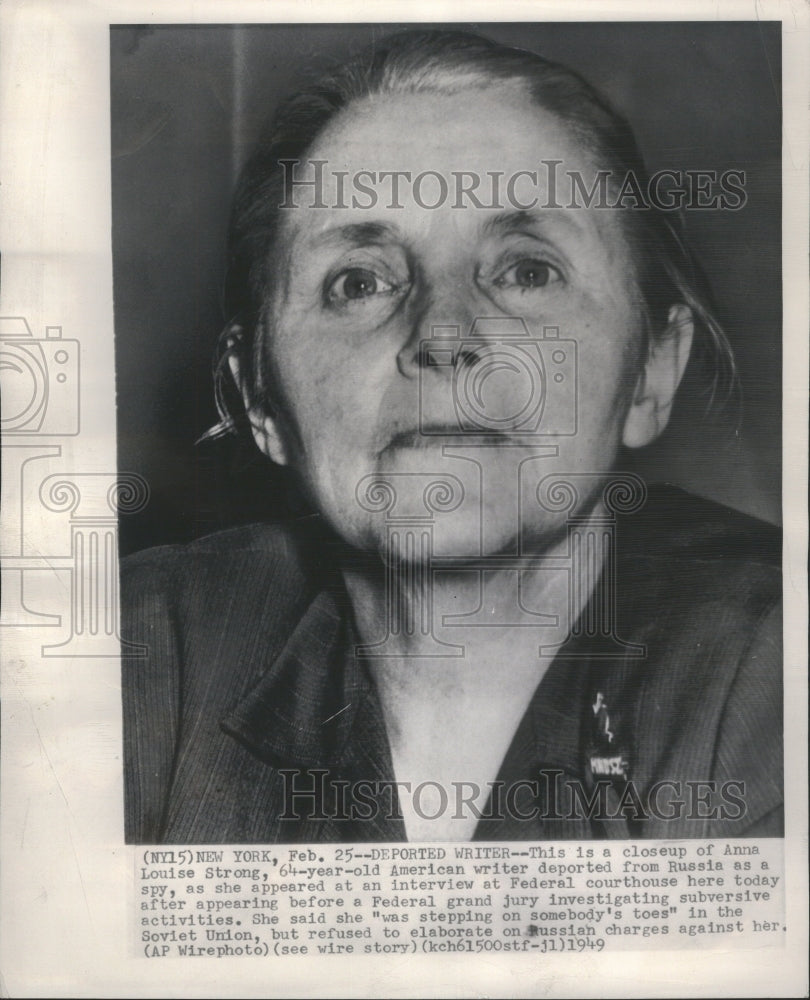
303,708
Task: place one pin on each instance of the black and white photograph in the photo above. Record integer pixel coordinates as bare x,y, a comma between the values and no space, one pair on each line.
494,471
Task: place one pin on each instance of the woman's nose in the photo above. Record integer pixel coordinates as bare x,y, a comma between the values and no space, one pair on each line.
440,320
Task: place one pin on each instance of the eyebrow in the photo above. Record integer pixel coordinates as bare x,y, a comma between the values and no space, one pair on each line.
356,234
360,234
532,218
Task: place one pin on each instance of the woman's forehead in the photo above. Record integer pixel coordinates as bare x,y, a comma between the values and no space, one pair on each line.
484,130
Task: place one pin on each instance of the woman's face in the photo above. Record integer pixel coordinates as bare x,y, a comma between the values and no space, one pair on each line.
360,288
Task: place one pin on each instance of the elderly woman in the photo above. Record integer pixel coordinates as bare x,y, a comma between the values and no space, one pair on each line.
455,297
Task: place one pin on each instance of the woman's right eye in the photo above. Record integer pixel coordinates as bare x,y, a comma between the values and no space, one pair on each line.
356,284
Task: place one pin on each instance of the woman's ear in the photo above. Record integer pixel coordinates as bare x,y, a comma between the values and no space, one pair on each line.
264,427
659,380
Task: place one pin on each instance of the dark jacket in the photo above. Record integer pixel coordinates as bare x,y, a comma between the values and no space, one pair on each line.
247,710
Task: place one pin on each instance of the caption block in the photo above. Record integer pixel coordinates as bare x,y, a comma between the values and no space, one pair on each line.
226,902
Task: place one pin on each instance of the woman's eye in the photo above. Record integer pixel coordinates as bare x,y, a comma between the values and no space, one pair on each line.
357,283
528,274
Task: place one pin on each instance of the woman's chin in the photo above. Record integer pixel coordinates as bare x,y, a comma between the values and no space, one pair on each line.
440,542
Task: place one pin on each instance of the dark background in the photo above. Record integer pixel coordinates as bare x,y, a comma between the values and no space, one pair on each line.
187,104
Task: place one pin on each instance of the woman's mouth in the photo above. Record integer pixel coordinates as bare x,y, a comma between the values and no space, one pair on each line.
445,434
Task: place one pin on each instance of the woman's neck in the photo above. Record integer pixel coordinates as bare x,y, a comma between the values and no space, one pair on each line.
413,617
455,660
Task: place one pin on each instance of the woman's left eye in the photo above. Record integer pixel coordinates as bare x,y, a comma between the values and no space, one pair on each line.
356,284
528,274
